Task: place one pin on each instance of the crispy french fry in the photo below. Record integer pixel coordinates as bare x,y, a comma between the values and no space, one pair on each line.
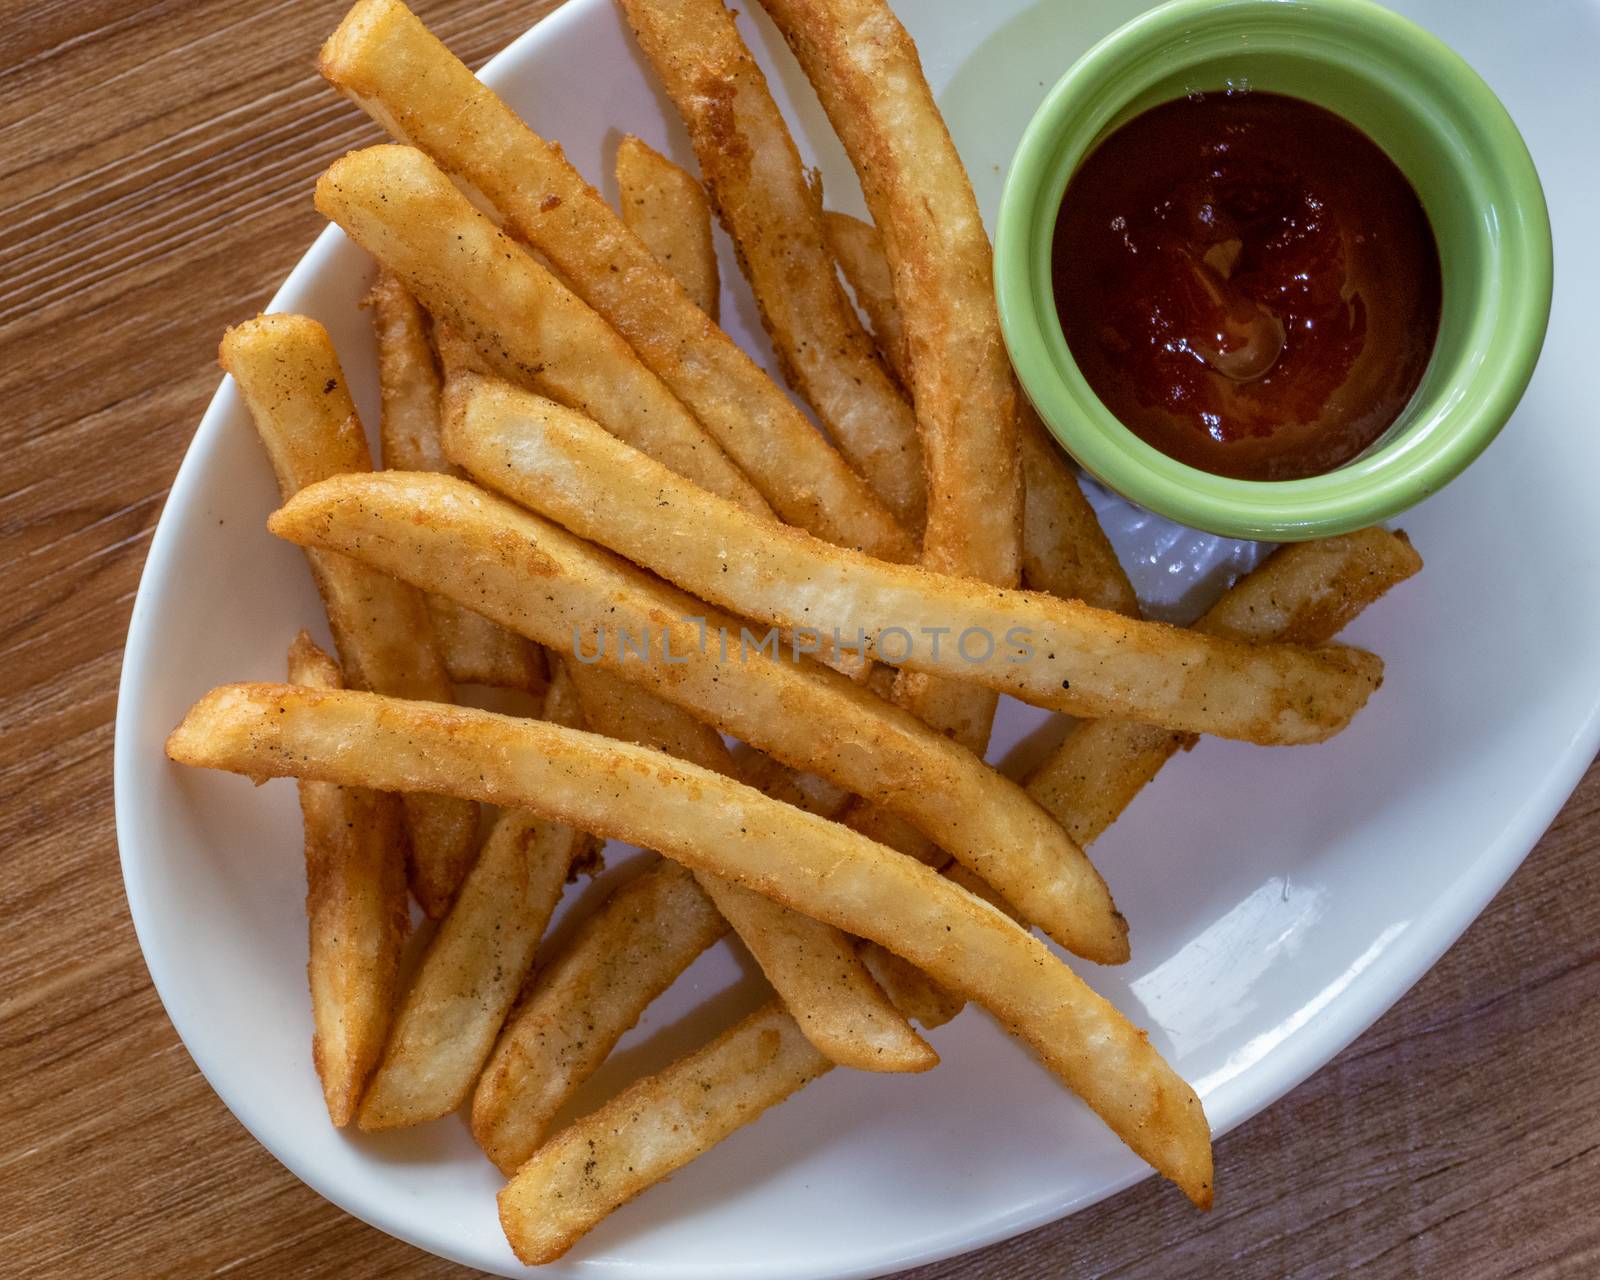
620,959
803,790
408,379
771,211
865,70
812,966
518,317
1307,592
626,955
475,650
287,371
858,249
1064,549
1303,594
666,208
652,1129
445,535
449,1017
711,823
1058,654
387,62
355,911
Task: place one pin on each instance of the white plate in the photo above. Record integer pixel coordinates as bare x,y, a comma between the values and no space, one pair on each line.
1280,900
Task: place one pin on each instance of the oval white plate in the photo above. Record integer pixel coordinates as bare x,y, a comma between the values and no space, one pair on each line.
1280,900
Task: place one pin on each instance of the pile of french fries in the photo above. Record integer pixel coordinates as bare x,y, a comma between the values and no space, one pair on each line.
580,465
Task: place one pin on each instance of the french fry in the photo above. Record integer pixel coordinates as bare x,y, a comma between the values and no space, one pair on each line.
289,375
475,650
388,63
626,955
1303,594
865,70
449,1017
760,189
519,318
858,249
355,912
1058,654
1306,593
812,966
619,960
652,1129
592,1167
445,535
711,823
1064,549
667,209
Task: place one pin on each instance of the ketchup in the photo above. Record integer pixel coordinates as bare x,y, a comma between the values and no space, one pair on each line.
1248,282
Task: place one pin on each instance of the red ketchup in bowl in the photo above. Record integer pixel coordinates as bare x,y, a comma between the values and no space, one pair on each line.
1248,283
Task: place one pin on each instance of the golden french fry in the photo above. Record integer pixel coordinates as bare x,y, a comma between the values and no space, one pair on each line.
409,384
793,786
771,211
711,823
355,912
865,70
858,249
449,1017
652,1129
286,369
475,650
667,209
812,966
1064,549
1303,594
445,535
519,318
1307,592
387,62
619,960
1058,654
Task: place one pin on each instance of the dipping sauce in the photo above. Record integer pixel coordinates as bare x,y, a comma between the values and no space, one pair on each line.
1248,282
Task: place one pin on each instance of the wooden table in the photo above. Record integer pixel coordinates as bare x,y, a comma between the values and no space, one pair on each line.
158,161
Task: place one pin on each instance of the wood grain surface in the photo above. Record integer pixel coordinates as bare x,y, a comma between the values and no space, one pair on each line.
158,159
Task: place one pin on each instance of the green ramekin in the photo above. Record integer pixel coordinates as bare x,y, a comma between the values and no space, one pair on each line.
1435,118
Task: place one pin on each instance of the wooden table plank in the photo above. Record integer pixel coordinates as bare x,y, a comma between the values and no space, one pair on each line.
157,164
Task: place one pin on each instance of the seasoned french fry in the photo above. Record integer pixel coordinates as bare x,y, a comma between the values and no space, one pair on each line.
1064,549
771,211
865,70
519,318
652,1129
445,535
287,371
449,1017
1052,653
355,911
475,650
562,1189
711,823
1304,594
387,62
619,960
812,966
667,209
858,249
